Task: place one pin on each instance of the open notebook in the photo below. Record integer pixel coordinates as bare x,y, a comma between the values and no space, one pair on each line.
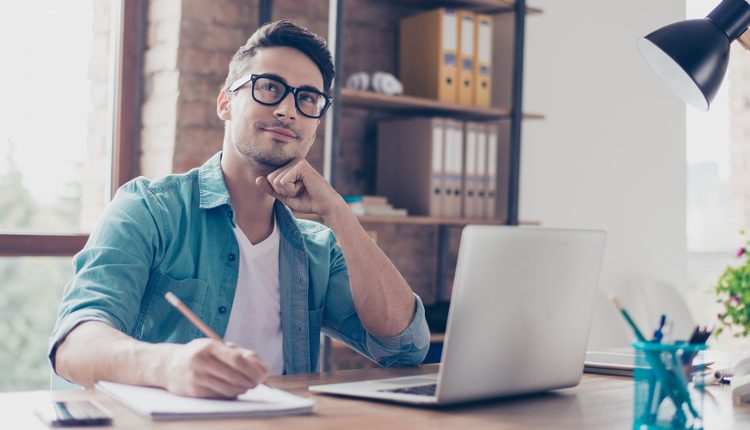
159,404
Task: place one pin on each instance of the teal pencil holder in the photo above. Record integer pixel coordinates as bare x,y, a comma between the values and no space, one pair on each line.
665,395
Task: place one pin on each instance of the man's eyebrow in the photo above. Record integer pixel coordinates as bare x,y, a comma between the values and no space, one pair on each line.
302,87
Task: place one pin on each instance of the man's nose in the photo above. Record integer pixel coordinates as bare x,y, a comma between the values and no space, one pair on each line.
286,108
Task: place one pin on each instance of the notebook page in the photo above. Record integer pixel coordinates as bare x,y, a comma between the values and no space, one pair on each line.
161,404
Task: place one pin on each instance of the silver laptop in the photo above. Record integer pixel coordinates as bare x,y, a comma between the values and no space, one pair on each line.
519,318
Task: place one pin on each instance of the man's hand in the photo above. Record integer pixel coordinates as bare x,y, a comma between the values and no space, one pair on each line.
209,368
299,186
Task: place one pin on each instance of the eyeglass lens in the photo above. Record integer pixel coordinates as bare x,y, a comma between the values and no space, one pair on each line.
271,91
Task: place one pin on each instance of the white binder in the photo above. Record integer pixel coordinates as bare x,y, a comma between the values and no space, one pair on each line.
480,208
492,163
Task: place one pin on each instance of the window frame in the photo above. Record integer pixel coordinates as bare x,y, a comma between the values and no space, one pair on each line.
125,163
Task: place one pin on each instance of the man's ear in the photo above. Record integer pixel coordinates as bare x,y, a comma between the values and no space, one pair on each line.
222,106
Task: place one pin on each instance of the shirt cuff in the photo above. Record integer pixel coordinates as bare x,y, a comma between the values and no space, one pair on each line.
72,321
407,348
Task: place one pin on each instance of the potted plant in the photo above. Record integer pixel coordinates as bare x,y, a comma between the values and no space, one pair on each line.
733,293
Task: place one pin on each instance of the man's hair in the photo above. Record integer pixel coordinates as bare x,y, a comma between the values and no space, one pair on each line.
283,33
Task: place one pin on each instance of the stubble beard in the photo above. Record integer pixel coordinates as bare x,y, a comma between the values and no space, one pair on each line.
272,159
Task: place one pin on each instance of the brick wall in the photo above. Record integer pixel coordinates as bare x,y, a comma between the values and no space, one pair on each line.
188,47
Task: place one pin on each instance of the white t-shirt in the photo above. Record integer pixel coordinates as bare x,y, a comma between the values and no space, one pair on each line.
255,321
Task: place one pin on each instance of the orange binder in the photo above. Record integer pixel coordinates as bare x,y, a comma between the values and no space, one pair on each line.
483,60
465,95
428,50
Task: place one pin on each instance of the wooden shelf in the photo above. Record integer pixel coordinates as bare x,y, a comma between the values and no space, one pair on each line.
434,338
426,220
421,220
419,105
485,6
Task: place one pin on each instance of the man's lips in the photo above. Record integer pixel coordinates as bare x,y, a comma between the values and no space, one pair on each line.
280,133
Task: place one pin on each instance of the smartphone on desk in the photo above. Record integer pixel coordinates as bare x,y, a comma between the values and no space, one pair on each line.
74,413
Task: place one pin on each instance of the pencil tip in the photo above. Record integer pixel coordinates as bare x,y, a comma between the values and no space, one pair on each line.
616,301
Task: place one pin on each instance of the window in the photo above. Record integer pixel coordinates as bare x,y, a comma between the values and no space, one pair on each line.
68,110
717,196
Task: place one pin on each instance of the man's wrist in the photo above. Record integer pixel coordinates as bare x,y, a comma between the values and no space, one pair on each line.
339,214
158,373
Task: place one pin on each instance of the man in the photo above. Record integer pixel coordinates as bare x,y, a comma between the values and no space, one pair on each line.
222,238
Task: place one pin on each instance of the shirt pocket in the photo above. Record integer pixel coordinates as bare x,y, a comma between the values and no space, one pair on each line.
161,322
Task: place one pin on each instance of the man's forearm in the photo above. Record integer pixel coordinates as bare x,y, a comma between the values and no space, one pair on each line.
383,299
94,351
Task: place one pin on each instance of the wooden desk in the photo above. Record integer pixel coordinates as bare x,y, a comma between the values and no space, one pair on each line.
599,402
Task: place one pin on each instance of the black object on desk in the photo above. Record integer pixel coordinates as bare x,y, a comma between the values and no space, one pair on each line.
74,414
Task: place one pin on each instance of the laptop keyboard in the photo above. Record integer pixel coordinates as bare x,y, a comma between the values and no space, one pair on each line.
420,390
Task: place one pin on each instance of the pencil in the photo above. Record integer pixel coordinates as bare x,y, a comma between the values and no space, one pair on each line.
630,321
192,317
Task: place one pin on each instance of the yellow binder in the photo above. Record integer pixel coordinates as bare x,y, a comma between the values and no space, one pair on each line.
428,49
465,95
483,60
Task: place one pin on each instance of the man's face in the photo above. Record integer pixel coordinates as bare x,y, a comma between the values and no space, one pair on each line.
272,136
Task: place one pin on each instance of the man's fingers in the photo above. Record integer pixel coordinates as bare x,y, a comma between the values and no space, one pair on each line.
218,369
282,186
243,361
266,186
214,387
289,184
287,181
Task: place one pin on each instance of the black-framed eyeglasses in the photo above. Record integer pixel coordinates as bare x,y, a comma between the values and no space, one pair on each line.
269,90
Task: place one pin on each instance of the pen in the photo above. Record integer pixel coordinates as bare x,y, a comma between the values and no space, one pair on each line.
192,317
658,334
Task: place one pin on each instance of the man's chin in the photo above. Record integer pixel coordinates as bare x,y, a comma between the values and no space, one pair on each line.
273,162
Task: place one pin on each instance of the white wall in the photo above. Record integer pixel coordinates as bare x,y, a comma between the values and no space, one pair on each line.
611,152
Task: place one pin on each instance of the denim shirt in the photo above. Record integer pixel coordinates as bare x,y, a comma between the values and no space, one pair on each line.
175,234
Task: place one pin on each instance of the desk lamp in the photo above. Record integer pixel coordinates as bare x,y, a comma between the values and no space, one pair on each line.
691,56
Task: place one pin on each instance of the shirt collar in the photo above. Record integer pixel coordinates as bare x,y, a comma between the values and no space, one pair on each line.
213,189
214,193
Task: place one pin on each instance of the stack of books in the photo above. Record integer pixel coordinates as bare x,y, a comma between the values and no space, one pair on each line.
373,205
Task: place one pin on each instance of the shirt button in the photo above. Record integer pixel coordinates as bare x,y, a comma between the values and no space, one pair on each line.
231,257
222,309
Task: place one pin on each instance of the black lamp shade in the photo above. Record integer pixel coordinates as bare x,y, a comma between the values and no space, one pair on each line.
691,57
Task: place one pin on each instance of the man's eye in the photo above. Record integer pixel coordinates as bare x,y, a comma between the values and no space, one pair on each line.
308,98
270,87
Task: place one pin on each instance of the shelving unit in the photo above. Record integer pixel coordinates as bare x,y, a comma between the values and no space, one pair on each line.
506,106
508,37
